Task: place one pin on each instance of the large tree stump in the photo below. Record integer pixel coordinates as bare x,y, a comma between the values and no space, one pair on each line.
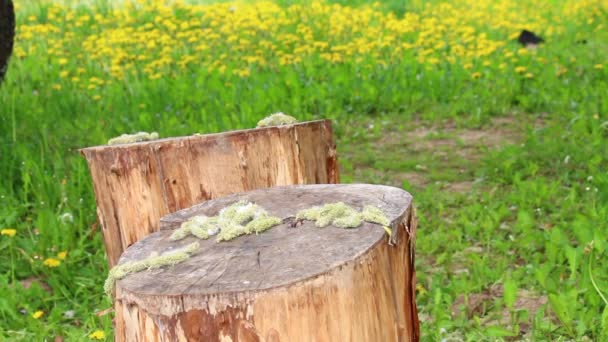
136,184
287,284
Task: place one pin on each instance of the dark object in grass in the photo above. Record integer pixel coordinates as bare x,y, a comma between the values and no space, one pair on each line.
528,38
7,34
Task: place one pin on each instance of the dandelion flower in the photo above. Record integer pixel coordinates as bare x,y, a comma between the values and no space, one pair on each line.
520,69
62,255
51,262
38,314
66,218
8,232
98,335
598,66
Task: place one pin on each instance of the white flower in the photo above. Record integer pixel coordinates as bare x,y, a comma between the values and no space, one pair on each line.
66,218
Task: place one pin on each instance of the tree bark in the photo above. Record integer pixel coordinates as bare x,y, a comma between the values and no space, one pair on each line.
7,34
136,184
289,283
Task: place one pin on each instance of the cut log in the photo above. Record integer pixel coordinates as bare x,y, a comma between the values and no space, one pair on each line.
289,283
136,184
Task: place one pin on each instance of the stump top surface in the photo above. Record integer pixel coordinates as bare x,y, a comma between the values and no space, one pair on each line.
277,257
209,137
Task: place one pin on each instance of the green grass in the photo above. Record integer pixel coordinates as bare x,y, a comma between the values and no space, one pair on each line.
529,219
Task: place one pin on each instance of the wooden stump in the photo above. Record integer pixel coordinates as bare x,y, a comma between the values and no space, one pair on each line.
136,184
286,284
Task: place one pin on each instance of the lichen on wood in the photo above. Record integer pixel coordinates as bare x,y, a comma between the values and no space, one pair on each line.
152,262
132,138
239,218
343,216
277,119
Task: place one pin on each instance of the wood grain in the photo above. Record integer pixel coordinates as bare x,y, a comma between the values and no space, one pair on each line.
136,184
286,284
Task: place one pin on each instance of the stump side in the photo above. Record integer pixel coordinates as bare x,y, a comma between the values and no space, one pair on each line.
136,184
371,298
278,257
286,284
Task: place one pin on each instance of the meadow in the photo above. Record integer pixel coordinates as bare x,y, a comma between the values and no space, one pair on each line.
504,148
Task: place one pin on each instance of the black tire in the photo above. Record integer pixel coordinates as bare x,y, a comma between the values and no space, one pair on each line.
7,34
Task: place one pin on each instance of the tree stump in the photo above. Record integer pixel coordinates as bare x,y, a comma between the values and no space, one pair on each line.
287,284
136,184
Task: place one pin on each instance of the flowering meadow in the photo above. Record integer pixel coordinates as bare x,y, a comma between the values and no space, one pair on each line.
531,228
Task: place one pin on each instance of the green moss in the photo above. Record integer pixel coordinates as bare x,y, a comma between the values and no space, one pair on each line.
238,219
277,119
241,218
200,226
374,215
230,231
152,262
343,216
310,214
262,224
131,138
180,233
336,214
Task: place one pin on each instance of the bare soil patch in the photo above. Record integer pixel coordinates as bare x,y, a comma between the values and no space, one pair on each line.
441,153
480,304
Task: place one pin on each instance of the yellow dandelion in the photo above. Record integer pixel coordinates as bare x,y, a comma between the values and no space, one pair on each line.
63,74
97,335
62,255
561,71
8,232
243,72
421,290
51,262
476,75
56,86
62,61
529,75
19,52
598,66
96,97
38,314
520,69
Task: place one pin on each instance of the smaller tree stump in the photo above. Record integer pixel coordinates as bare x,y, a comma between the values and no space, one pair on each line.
288,284
136,184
